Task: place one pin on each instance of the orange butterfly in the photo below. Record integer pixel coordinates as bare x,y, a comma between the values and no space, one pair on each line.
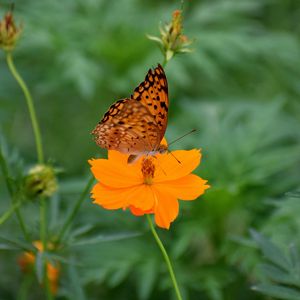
136,125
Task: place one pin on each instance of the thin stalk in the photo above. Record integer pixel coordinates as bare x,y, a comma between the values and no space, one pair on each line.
166,257
35,125
5,173
75,210
164,63
43,224
25,287
43,238
38,142
8,213
10,188
48,288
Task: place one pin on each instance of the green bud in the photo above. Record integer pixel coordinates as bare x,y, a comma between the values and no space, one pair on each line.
40,181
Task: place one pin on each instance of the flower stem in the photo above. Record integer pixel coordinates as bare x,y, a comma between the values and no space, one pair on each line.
10,188
43,238
166,257
164,63
35,125
48,289
43,225
8,213
75,209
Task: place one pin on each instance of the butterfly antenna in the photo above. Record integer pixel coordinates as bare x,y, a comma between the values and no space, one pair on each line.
174,157
182,137
159,165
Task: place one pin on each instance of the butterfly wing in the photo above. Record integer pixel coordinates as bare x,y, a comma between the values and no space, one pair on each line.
153,94
128,127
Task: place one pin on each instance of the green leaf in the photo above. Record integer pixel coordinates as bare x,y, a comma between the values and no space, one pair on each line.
295,262
278,292
120,274
81,230
17,243
276,274
76,289
147,278
8,246
40,266
105,238
271,252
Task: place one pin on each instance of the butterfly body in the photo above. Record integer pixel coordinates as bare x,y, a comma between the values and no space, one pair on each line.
136,125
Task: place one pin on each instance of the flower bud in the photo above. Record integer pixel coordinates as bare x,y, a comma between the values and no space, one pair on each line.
171,39
9,32
40,181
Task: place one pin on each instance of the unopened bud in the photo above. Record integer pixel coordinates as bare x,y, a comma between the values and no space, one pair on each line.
171,39
40,181
9,32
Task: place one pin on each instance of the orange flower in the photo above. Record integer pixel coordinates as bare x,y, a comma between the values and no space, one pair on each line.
27,260
151,185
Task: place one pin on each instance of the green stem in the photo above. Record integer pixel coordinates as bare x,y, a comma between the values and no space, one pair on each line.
35,125
43,237
166,257
8,213
48,288
164,63
5,173
25,287
22,225
75,210
12,195
43,225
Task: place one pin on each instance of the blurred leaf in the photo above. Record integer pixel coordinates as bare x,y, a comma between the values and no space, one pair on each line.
280,271
278,291
76,288
104,238
16,243
40,266
271,252
147,278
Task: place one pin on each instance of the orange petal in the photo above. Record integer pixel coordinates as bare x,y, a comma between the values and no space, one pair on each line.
142,197
189,187
168,168
139,212
116,174
166,209
164,142
110,198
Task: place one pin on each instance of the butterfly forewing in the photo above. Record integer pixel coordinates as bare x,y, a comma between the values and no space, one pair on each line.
137,125
153,93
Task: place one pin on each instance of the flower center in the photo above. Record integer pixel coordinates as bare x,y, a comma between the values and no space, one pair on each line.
148,169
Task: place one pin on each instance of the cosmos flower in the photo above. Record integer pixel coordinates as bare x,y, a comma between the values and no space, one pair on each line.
152,185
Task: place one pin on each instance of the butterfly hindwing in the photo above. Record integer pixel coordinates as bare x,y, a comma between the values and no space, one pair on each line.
127,127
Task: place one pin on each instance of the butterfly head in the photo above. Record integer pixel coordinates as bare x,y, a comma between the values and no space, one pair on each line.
162,149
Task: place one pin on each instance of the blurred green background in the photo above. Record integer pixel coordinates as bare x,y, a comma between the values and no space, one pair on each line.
240,89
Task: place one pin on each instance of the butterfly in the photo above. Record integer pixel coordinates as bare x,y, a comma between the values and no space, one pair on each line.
136,125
